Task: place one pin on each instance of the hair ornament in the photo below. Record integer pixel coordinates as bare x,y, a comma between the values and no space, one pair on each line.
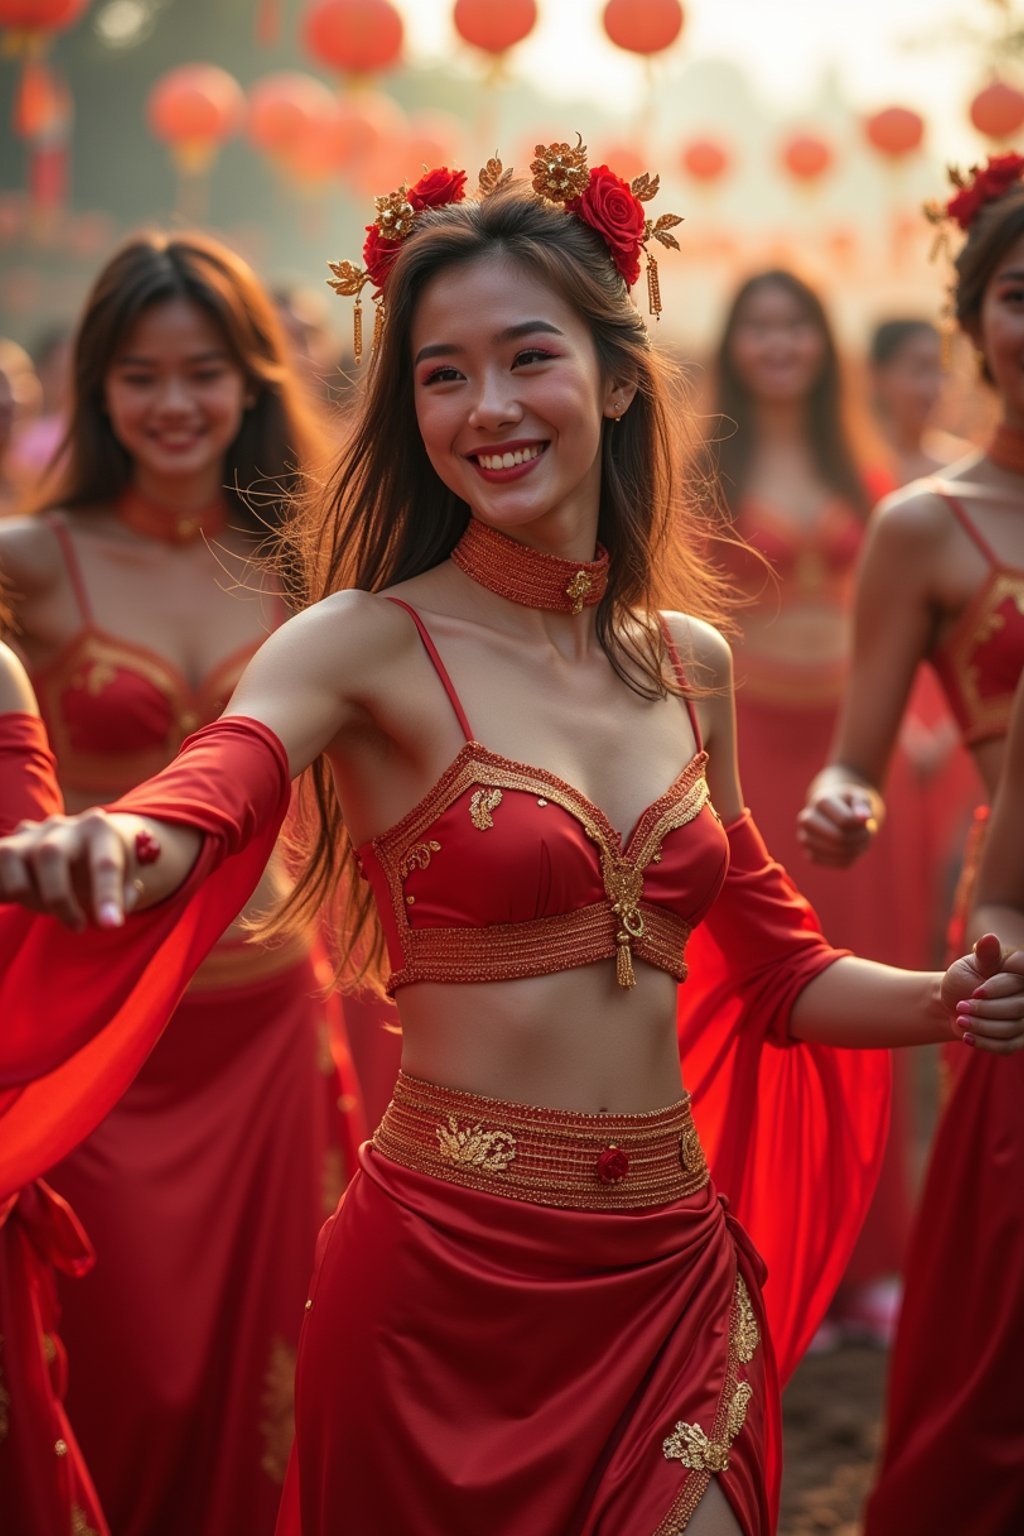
973,190
612,207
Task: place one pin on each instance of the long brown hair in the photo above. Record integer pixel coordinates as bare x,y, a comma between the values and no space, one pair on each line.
280,437
829,434
389,517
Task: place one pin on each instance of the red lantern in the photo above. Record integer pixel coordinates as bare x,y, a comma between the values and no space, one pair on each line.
434,139
806,157
643,26
494,27
705,160
193,109
354,37
367,130
26,25
998,110
27,16
895,132
625,159
285,109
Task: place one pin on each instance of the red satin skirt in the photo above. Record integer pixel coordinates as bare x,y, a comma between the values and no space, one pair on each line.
530,1321
954,1452
203,1192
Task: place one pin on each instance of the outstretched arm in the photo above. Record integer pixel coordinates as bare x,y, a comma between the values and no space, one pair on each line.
87,867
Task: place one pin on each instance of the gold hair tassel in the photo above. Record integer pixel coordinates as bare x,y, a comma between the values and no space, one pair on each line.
653,287
378,321
357,330
624,973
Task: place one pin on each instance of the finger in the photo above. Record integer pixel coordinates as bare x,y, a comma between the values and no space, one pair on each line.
830,831
988,954
996,1047
51,872
15,880
1011,1007
105,862
1003,984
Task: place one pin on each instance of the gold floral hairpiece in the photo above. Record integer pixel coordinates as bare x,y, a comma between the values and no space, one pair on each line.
972,190
602,200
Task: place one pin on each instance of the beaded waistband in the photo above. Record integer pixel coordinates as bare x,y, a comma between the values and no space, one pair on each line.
559,1157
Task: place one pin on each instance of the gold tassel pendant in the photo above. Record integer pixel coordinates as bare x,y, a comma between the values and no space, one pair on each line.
653,287
624,973
357,330
378,321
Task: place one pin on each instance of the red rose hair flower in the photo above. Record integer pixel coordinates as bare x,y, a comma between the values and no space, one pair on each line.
438,188
985,185
610,206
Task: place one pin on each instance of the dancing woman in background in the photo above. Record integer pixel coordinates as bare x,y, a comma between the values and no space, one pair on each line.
203,1190
531,1312
800,490
943,579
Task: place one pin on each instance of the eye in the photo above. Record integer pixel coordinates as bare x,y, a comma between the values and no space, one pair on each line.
443,375
531,355
208,375
138,380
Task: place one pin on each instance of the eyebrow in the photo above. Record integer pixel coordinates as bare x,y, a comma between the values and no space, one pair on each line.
513,333
1010,277
130,360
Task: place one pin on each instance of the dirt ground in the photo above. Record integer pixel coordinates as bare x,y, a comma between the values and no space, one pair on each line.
832,1413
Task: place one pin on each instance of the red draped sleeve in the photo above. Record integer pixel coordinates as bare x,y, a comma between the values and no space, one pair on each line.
28,772
82,1011
794,1132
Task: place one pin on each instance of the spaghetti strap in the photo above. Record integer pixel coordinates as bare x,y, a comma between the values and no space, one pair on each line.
977,539
67,544
439,666
677,667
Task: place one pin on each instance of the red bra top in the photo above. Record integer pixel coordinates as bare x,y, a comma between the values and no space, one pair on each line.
115,711
504,870
804,560
980,663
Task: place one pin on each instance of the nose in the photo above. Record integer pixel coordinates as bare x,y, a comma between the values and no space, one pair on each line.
173,396
495,403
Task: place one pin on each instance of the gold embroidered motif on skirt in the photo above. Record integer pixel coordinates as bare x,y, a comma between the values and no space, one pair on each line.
277,1425
79,1524
482,803
706,1455
492,1151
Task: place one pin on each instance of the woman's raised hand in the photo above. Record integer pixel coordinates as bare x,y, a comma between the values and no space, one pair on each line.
984,992
839,820
87,869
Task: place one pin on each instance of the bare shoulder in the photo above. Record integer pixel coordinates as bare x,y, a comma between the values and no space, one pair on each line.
30,557
912,520
354,631
704,651
15,689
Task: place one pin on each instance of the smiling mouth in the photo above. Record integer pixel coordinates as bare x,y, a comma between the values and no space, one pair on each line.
511,462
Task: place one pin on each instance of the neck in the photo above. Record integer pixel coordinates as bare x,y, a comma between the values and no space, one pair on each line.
171,524
781,420
1005,448
903,437
530,577
180,497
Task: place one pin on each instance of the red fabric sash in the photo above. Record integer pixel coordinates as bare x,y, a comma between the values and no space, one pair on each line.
793,1132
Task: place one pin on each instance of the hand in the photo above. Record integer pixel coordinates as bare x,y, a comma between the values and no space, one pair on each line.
837,824
74,868
984,993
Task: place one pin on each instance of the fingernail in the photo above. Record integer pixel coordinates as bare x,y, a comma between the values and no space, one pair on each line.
964,1007
108,915
979,992
968,1038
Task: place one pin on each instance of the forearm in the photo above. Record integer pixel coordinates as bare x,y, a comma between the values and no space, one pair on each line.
154,880
1000,918
837,776
861,1004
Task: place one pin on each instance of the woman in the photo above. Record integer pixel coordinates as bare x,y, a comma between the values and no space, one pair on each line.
905,368
943,579
39,1233
531,1312
131,623
800,493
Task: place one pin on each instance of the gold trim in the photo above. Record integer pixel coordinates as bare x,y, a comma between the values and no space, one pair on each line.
978,622
277,1426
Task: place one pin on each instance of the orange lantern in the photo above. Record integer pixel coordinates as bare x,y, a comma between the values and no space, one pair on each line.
26,27
998,110
705,160
643,26
622,157
895,132
354,37
434,138
366,131
806,157
494,28
284,110
193,109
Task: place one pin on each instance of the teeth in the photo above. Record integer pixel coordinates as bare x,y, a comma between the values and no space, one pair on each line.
508,460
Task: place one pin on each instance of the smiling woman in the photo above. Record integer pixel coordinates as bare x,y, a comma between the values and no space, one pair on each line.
532,1311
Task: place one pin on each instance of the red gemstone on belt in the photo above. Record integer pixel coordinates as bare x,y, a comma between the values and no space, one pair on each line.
612,1165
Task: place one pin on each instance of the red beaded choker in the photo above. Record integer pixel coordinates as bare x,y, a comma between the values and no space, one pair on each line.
155,522
528,576
1006,449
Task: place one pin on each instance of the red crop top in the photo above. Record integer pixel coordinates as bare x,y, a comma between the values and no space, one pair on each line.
115,711
980,663
504,870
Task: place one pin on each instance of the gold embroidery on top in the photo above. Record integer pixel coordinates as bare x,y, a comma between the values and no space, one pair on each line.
624,883
418,856
95,678
492,1151
578,590
746,1333
691,1153
277,1425
484,801
79,1523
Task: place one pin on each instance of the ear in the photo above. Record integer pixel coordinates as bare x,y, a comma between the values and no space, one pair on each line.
619,395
